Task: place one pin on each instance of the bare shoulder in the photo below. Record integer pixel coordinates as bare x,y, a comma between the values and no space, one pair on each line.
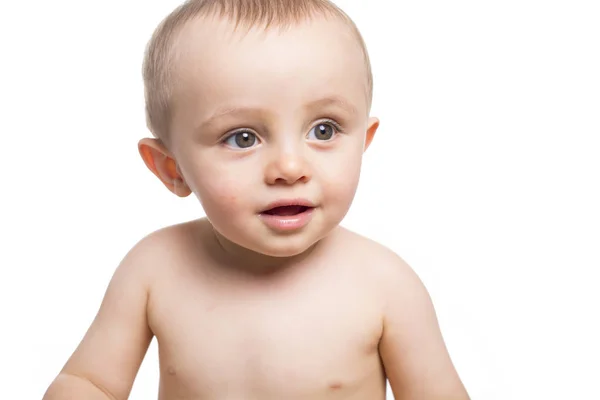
138,267
162,246
412,348
379,261
114,346
158,241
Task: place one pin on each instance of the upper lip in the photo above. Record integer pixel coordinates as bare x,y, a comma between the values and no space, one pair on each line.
289,202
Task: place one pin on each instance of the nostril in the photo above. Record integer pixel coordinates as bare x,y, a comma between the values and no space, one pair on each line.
291,179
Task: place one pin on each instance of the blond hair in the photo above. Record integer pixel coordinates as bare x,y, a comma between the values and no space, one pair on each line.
159,57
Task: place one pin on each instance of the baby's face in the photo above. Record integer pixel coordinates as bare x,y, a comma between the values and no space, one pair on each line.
269,116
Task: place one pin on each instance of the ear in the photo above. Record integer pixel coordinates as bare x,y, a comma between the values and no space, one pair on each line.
161,163
372,126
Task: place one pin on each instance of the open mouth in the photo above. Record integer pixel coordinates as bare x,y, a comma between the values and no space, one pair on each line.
286,211
288,215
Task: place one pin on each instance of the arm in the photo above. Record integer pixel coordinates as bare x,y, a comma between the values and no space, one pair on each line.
104,365
412,349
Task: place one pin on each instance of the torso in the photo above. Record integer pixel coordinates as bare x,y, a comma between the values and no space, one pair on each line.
309,333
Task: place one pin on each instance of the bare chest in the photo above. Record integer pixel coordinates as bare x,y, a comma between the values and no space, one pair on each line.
310,340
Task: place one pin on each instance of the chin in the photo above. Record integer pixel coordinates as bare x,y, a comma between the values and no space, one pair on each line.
287,247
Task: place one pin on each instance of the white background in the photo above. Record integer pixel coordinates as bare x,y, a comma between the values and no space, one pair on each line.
484,177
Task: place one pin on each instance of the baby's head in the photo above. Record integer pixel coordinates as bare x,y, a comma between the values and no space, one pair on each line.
257,101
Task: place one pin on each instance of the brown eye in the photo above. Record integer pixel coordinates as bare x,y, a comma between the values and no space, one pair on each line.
323,131
241,140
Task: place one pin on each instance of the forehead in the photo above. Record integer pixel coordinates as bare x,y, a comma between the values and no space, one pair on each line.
217,66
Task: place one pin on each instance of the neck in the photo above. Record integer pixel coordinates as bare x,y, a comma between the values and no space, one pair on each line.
256,263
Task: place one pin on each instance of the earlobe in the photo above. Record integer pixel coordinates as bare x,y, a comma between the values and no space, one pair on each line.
161,163
372,126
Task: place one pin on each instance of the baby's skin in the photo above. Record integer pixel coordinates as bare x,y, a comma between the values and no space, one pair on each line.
268,297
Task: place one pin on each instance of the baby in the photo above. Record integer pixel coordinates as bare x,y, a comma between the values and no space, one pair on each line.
260,108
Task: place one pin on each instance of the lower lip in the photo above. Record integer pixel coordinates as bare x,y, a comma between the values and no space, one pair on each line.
287,222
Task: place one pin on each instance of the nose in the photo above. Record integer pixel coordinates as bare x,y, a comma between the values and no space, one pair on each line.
287,167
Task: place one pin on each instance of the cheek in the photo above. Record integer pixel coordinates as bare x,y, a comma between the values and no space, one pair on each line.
223,192
220,189
340,175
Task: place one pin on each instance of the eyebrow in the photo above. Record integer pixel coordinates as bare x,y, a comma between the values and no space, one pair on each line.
330,101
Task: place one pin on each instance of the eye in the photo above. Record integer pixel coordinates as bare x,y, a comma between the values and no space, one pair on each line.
324,131
241,140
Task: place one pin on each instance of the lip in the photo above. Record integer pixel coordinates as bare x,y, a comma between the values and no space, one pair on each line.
289,202
287,223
